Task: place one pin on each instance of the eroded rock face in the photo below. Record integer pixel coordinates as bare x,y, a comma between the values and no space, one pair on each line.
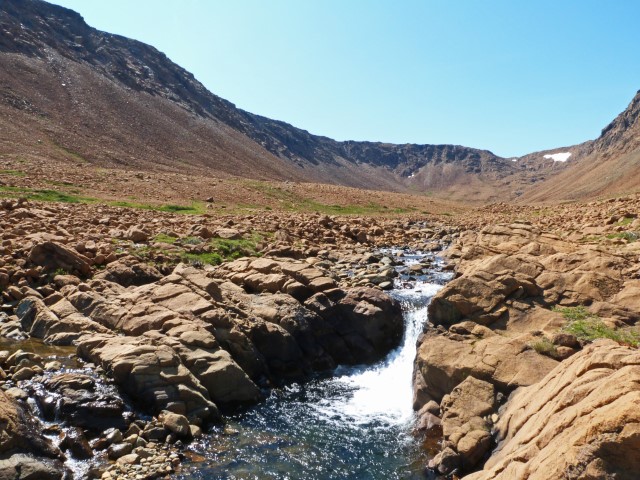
468,349
495,323
152,374
580,421
59,325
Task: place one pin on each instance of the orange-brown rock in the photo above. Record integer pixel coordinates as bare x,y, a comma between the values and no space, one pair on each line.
580,421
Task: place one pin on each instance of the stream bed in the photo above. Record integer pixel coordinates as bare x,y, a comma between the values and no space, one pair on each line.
356,424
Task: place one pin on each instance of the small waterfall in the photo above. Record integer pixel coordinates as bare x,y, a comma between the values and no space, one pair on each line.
383,392
355,425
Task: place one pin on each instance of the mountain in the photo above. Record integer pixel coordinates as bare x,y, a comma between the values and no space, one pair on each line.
608,165
70,91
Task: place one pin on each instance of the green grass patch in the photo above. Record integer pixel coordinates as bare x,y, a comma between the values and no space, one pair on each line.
626,220
163,238
198,259
44,195
574,313
628,236
193,209
191,241
588,326
14,173
233,249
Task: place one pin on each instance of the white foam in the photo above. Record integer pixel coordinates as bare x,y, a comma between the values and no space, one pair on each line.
385,392
559,157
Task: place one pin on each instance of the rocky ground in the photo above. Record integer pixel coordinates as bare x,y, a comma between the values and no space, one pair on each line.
531,368
169,320
154,323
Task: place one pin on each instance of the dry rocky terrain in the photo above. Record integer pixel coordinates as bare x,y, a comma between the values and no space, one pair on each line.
194,315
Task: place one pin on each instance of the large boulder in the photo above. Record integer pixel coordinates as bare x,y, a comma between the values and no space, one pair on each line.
151,374
59,324
53,255
580,421
444,361
27,467
465,426
128,271
19,432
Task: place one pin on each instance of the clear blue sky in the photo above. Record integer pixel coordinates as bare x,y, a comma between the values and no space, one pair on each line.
506,75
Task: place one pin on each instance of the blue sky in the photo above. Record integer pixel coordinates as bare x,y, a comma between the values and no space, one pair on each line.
509,76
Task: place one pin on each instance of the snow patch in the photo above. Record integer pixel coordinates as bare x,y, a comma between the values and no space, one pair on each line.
559,157
514,159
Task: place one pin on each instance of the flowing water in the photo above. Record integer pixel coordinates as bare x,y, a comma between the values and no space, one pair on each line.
354,425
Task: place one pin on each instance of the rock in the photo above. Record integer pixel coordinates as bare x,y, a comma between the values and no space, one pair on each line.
24,373
128,271
442,362
17,393
54,255
465,429
64,280
228,233
368,321
446,462
41,321
80,403
130,459
25,467
136,234
20,432
118,450
152,374
75,442
565,340
178,424
479,293
113,435
580,420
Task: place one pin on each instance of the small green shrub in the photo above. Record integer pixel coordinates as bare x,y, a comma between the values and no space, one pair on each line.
594,328
191,241
589,327
574,313
545,347
628,236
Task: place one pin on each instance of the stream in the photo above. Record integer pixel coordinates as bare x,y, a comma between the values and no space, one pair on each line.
356,424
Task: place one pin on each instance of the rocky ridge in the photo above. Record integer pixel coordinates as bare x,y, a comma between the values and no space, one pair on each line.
180,125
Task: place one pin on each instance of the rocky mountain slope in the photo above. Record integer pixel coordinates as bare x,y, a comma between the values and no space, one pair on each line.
602,167
68,91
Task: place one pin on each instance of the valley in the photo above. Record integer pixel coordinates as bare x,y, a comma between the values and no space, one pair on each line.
190,290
